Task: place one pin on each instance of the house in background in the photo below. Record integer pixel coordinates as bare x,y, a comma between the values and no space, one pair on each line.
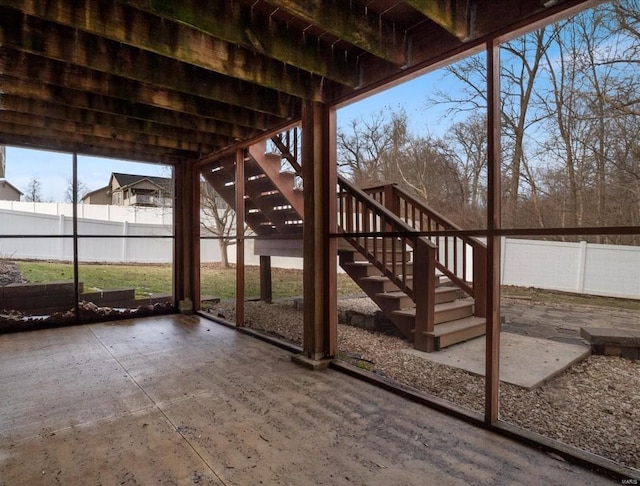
99,196
9,192
133,190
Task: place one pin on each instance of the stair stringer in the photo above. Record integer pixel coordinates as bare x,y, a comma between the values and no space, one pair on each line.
283,181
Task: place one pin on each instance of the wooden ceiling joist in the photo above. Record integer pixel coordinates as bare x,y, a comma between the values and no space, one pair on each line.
144,107
132,27
238,24
353,23
456,16
101,55
40,109
69,140
192,79
111,134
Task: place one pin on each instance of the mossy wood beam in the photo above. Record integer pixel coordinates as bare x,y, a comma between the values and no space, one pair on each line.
154,34
351,22
235,23
194,114
106,132
135,64
100,105
230,122
455,16
119,122
51,139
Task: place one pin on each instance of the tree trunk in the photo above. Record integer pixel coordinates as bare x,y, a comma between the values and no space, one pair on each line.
224,254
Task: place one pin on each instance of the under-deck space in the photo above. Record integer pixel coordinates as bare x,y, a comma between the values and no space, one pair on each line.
182,400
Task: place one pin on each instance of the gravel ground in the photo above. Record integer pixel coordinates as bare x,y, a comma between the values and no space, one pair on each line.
594,405
9,274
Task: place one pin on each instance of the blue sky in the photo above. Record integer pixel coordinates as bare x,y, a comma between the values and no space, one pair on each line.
54,169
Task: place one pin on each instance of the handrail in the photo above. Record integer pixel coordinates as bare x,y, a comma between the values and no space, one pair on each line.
390,254
287,144
451,258
389,209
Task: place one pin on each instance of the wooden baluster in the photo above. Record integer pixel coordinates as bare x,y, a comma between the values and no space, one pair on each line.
393,257
455,256
465,247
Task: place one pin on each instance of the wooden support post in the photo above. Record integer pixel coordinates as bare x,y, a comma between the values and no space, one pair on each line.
186,219
240,237
479,280
424,281
320,213
492,380
266,292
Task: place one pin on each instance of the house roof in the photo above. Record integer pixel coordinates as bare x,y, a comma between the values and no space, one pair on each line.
95,191
126,180
173,81
5,181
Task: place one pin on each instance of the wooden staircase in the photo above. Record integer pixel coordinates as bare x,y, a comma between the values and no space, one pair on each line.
422,281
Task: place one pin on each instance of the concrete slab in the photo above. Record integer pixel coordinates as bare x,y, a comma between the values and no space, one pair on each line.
524,361
180,400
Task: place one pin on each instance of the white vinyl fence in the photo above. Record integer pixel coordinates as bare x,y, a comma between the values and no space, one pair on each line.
108,250
607,270
584,268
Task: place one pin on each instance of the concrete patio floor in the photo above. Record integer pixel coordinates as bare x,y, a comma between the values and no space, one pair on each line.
181,400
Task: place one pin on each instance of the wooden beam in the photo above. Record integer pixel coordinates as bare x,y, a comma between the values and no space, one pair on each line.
266,290
107,133
29,89
239,165
238,24
351,22
50,138
455,16
492,372
231,119
319,275
135,28
28,67
103,55
42,109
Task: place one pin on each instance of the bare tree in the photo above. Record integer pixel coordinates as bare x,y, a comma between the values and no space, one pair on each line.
33,192
367,147
81,191
521,66
467,142
219,219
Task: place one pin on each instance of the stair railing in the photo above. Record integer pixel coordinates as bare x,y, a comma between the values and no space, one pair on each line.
389,244
452,259
288,144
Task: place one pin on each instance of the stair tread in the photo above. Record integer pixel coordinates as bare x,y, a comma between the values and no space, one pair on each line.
397,294
381,278
359,264
456,304
457,325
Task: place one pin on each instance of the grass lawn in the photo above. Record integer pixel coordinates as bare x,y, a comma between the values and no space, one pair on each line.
220,282
153,279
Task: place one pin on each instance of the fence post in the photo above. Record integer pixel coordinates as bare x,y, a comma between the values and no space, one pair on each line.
424,288
125,242
61,240
582,264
